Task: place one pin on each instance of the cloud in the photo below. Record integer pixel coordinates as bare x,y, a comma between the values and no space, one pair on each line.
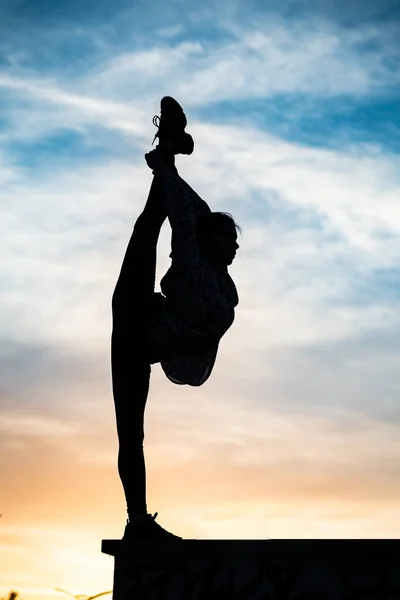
267,57
26,426
312,223
263,58
66,110
170,32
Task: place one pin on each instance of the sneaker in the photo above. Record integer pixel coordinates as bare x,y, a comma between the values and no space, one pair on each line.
144,527
171,127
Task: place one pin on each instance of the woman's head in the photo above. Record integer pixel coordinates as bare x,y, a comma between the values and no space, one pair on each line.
217,237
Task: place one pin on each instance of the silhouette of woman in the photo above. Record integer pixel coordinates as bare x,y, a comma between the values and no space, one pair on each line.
180,327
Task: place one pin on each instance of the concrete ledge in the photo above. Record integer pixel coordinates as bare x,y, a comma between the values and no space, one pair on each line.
256,569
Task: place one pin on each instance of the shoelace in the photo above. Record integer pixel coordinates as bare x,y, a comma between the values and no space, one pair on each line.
156,122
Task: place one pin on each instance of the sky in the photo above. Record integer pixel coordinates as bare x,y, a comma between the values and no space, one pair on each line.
294,109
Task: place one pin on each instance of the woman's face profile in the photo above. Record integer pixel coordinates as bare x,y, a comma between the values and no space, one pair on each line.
222,245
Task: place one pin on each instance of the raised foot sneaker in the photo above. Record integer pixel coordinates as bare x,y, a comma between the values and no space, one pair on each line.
144,527
171,127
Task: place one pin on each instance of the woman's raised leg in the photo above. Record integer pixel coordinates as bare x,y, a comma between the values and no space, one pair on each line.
130,370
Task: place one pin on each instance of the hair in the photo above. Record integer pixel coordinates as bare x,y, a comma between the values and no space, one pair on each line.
213,222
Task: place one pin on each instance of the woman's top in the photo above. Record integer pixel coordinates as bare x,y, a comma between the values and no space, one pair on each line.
199,297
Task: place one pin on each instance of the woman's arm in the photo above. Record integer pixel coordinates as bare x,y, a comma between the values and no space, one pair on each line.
183,206
171,182
200,206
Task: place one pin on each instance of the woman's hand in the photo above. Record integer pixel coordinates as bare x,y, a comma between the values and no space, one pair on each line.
155,160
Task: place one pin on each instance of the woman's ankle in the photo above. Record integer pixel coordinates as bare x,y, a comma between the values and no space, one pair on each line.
135,515
167,147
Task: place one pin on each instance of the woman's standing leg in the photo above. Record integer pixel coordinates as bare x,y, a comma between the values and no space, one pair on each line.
130,369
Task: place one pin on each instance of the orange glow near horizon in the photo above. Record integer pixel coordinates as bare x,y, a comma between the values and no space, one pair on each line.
56,510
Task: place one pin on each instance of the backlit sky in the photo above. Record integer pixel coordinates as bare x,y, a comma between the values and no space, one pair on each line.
295,115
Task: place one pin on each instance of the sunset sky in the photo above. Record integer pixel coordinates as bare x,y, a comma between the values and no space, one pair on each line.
295,115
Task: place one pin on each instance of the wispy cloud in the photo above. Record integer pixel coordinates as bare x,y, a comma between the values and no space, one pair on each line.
265,58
